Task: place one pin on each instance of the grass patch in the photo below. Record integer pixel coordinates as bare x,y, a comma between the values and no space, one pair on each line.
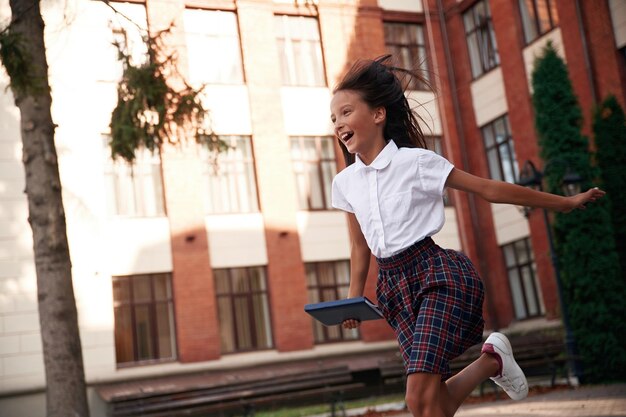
325,407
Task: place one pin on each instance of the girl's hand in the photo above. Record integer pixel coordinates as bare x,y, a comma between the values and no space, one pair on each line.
578,201
351,324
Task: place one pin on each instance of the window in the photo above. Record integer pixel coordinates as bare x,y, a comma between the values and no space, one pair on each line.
134,189
500,150
144,318
243,309
405,41
229,177
300,51
328,281
522,272
538,17
213,47
481,39
315,166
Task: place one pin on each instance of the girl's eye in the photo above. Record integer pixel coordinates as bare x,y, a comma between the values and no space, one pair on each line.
346,112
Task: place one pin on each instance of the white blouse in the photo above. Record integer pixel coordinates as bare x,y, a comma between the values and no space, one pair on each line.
397,199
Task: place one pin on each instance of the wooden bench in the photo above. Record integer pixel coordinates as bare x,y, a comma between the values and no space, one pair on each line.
539,355
242,397
392,375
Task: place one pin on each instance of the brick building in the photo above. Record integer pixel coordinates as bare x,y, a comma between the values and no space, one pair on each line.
183,265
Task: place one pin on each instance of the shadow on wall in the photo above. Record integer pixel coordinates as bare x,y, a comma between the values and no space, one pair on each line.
19,322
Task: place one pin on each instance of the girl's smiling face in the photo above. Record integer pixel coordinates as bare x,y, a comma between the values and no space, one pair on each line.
358,126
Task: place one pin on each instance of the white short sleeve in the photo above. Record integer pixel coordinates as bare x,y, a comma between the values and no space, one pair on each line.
339,199
433,172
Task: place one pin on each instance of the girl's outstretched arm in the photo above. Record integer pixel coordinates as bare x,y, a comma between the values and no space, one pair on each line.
360,255
504,192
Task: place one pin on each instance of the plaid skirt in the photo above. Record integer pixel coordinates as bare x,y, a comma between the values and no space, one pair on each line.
432,298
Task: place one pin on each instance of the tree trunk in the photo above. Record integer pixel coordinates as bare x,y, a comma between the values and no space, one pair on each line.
65,378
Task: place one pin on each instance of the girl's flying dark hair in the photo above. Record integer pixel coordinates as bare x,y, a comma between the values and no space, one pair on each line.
378,84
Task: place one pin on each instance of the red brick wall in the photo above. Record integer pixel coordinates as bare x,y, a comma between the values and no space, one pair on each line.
487,256
605,60
578,71
349,33
507,25
291,327
197,326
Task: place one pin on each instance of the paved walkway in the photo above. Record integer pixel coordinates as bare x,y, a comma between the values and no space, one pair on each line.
588,401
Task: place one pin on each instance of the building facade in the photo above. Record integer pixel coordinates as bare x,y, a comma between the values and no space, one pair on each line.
188,261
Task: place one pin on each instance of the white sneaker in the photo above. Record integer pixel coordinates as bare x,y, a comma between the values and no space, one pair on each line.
510,376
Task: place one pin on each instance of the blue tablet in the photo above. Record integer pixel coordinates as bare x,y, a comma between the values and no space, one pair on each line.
332,313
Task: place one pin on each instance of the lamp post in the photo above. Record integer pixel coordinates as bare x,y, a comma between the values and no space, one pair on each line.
531,177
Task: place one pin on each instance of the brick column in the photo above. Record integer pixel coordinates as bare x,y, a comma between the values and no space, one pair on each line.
195,309
352,31
291,327
477,231
509,32
574,53
604,56
349,31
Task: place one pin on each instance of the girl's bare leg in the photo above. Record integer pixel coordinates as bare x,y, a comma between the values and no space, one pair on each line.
426,395
423,395
456,389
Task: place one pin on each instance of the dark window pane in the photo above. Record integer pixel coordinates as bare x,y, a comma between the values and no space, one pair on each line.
488,136
328,281
342,272
311,275
499,147
493,158
165,325
314,166
262,320
222,281
123,335
143,333
506,158
509,255
141,289
242,323
257,279
227,324
529,286
162,290
517,294
121,290
144,329
481,41
522,282
325,274
538,17
522,251
244,314
405,41
240,281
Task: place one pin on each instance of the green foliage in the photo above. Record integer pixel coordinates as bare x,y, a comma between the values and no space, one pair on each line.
149,111
17,62
584,241
609,127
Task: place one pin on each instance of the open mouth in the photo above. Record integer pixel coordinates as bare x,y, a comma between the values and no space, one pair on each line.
346,136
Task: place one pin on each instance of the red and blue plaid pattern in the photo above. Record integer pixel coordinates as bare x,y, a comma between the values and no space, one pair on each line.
433,298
